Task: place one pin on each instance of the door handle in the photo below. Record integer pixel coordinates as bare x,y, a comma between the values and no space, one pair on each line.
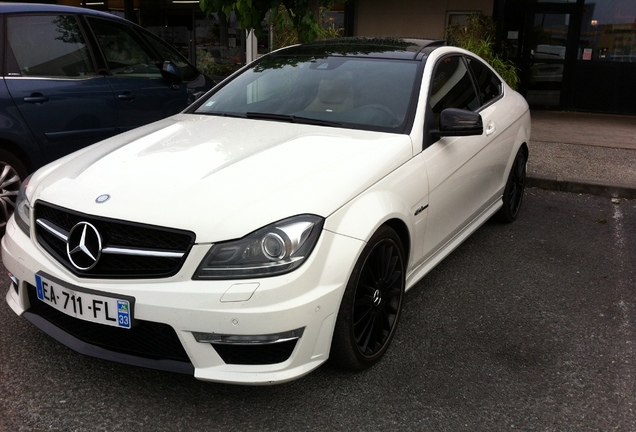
126,96
36,98
491,129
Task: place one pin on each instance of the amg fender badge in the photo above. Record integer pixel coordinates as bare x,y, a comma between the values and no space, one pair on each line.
421,209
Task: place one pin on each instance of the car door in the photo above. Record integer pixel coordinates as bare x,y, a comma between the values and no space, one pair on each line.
143,95
462,170
53,82
496,118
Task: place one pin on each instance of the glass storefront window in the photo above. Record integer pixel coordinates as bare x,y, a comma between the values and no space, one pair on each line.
220,45
608,31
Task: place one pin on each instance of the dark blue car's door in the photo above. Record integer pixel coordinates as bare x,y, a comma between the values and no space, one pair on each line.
54,84
142,94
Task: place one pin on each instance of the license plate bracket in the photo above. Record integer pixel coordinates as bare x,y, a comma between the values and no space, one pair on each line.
114,310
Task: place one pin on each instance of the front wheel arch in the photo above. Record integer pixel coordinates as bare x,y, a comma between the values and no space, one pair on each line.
372,303
515,187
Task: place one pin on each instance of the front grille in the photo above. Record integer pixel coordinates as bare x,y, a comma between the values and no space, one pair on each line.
141,251
146,339
255,354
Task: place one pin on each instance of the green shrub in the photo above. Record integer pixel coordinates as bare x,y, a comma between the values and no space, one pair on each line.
477,35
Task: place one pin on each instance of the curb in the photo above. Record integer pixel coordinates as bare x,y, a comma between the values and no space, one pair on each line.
581,186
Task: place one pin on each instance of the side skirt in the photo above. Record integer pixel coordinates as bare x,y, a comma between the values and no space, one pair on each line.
418,273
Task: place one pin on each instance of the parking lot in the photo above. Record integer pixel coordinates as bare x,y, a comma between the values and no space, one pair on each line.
529,326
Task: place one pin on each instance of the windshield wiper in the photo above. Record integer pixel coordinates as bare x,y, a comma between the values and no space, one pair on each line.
228,114
291,119
219,113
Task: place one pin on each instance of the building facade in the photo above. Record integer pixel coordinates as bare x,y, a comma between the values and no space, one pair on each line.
575,55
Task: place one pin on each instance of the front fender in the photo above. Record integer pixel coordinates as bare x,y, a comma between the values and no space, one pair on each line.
522,139
364,215
400,198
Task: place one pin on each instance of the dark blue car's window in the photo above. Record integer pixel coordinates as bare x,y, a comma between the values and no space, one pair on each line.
47,46
125,53
168,53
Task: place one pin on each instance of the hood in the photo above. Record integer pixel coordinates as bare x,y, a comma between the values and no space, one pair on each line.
220,177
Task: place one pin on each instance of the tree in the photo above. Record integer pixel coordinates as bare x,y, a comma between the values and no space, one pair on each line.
251,13
284,33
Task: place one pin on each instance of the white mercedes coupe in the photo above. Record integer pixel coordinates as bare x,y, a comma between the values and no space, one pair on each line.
278,221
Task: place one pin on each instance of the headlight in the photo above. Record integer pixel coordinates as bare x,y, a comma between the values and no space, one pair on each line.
273,250
23,208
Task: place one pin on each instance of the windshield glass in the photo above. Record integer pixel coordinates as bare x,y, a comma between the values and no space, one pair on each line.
354,92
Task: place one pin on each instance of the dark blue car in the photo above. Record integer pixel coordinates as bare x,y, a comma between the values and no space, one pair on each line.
73,76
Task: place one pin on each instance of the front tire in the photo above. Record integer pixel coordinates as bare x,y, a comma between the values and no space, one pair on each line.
371,305
12,172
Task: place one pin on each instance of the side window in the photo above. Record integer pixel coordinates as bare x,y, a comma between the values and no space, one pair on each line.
47,46
125,53
188,71
488,85
452,86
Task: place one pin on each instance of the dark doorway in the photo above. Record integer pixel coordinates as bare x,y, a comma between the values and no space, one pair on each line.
549,53
572,55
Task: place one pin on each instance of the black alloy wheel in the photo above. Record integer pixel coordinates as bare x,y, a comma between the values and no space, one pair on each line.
372,303
515,188
12,173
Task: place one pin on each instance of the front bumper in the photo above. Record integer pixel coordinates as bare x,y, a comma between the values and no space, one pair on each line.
219,325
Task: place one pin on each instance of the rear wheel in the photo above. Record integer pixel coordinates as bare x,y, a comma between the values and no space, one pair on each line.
12,172
515,187
371,305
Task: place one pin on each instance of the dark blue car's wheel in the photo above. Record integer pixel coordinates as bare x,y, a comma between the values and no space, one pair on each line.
372,303
12,173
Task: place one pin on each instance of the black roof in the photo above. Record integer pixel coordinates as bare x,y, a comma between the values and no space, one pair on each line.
384,47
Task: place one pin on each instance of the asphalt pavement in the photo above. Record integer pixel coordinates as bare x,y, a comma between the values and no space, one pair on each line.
525,327
583,153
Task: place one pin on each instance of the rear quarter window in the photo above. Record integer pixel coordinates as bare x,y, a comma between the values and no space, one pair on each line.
488,85
452,86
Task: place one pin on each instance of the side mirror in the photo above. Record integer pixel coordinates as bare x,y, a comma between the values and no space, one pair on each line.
171,72
459,122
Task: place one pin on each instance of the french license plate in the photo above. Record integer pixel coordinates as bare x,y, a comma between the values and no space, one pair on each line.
85,304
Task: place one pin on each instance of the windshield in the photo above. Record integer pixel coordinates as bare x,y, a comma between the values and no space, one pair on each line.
354,92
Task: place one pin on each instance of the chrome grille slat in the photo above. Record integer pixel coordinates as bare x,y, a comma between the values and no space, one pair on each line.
63,235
